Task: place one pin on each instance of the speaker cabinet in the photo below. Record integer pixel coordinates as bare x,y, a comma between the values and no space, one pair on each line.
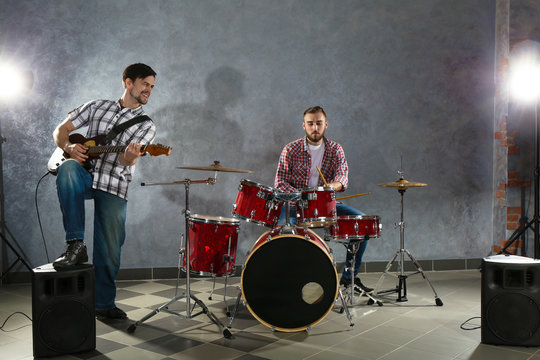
510,300
63,310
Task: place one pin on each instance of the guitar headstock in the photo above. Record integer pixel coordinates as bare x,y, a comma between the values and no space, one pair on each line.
158,149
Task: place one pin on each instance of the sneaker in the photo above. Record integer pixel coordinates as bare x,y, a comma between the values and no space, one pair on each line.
114,313
74,254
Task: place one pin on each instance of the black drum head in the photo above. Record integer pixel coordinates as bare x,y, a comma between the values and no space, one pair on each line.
289,283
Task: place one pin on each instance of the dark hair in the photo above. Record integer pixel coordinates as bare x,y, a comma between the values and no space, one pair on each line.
314,110
137,71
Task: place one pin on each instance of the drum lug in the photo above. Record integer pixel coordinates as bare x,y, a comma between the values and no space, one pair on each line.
240,187
311,196
234,206
316,212
269,238
252,214
356,228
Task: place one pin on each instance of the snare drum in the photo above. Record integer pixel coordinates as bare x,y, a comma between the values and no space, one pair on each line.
317,207
289,281
354,227
256,203
212,244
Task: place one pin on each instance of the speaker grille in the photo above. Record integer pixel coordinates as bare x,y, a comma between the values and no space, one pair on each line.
513,317
65,326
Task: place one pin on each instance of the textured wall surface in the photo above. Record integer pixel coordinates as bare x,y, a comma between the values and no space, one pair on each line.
405,84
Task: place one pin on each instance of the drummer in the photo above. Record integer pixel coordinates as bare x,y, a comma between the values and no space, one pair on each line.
297,169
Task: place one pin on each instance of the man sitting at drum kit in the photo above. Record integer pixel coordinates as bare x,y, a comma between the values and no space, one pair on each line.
312,161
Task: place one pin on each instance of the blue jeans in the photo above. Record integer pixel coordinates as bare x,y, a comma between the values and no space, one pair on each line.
341,210
74,186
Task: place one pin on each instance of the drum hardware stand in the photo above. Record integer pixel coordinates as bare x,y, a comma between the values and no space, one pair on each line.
352,248
184,250
401,288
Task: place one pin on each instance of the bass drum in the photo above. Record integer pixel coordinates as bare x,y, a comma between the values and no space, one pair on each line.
289,281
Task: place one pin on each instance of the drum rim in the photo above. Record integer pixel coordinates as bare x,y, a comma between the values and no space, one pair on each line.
256,184
256,247
258,222
317,188
359,217
211,219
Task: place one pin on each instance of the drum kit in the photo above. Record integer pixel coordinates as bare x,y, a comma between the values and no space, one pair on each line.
289,280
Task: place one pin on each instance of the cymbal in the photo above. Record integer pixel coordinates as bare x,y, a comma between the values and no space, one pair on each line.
215,167
402,184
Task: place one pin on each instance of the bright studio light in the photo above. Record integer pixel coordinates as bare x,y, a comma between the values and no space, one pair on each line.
525,81
14,82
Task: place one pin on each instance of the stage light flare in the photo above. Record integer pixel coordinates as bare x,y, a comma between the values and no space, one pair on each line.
525,81
15,82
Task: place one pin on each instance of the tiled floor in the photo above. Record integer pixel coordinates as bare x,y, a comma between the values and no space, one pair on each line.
417,329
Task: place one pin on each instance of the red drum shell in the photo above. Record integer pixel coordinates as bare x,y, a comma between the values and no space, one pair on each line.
212,244
282,263
355,227
256,203
317,207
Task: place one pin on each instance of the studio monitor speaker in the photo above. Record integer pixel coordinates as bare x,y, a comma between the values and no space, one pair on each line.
510,299
63,310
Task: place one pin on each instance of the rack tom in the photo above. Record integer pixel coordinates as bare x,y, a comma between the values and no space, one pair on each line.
257,203
317,207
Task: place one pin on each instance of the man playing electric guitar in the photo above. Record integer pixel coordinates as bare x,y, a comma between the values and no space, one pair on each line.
106,183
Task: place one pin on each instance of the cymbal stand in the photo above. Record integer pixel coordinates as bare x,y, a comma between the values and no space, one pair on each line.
185,251
401,288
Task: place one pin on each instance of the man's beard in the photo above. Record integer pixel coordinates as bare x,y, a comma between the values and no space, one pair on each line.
312,139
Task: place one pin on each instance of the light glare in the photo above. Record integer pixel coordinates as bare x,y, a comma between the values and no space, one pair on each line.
525,81
13,80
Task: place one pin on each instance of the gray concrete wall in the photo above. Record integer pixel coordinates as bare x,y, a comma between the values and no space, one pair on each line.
406,85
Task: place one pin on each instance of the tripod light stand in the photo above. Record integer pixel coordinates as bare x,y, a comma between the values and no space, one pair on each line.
525,84
22,81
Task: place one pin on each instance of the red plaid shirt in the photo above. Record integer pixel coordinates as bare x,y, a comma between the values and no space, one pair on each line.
295,162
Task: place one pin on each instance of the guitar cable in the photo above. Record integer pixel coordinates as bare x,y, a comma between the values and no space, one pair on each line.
39,217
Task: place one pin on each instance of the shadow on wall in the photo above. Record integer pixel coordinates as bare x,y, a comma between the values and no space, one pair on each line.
201,134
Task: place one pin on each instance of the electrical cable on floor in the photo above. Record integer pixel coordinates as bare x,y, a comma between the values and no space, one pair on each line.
39,217
462,326
17,312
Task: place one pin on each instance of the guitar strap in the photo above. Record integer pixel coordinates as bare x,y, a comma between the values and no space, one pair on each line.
117,129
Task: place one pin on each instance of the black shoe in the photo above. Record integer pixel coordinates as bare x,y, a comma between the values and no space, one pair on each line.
75,254
364,288
358,286
114,313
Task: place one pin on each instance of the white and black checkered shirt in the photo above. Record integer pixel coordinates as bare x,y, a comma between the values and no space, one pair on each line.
100,116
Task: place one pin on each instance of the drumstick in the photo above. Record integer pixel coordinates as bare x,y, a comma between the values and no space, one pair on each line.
322,176
351,196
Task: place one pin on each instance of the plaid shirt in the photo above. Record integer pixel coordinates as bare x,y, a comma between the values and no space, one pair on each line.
295,162
100,116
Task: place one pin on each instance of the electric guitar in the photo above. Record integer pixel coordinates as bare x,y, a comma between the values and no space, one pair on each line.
96,148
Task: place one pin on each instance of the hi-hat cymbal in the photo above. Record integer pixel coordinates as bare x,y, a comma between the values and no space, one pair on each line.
215,167
402,184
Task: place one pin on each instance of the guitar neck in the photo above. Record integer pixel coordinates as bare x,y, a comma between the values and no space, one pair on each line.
105,149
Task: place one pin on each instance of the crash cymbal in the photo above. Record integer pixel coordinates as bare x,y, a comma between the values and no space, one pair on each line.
402,184
215,167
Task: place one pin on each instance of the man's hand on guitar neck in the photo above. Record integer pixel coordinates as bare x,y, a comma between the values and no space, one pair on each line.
130,156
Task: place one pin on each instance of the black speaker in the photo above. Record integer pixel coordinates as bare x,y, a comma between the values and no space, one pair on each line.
63,310
510,301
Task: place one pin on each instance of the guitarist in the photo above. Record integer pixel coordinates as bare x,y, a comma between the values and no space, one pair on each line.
106,182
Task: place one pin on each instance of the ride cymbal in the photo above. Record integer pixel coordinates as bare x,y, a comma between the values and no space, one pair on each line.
215,167
402,184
